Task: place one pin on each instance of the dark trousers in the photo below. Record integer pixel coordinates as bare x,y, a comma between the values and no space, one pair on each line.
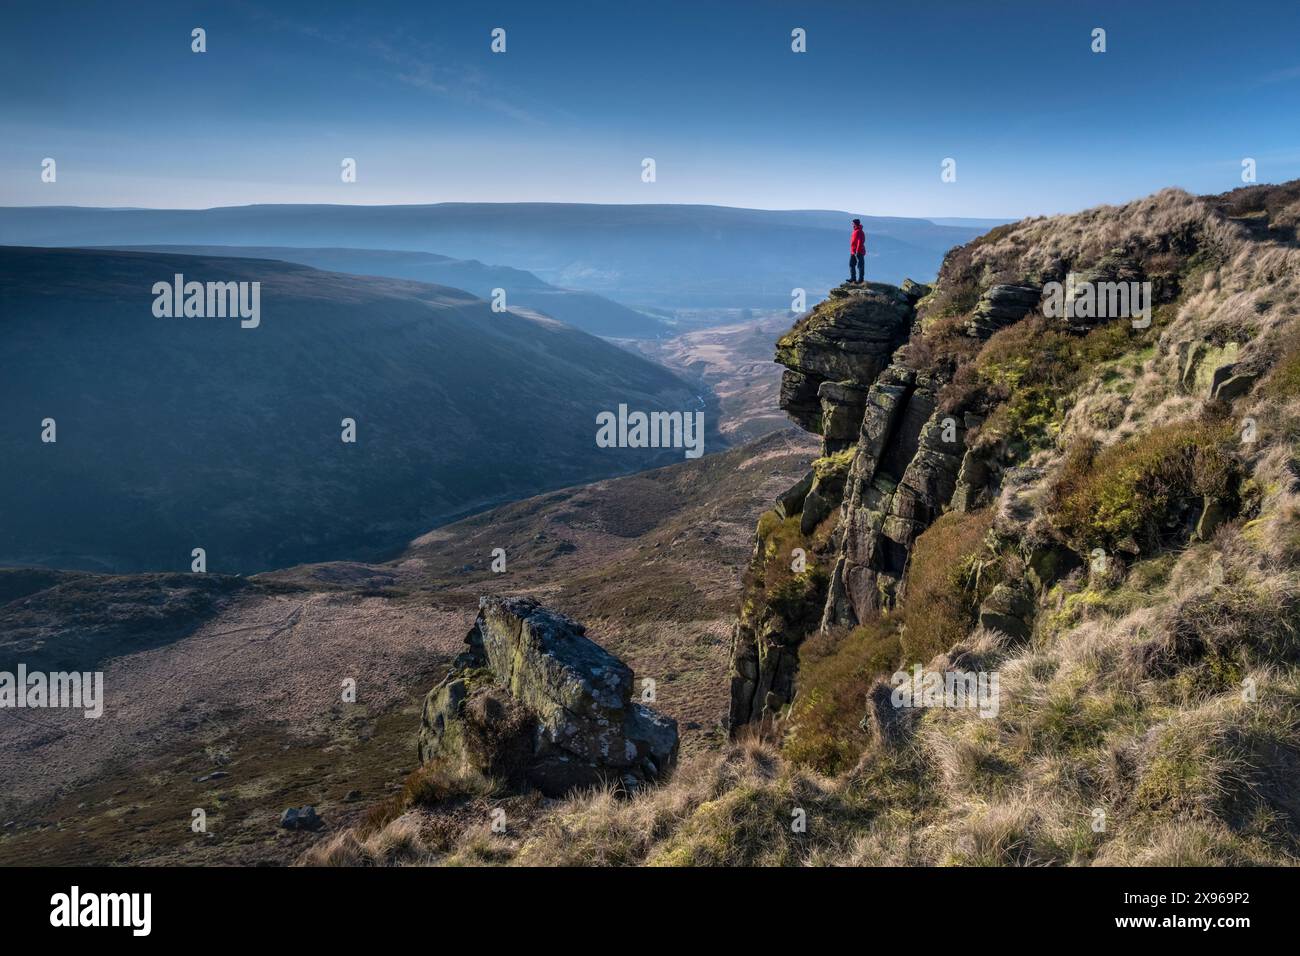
857,267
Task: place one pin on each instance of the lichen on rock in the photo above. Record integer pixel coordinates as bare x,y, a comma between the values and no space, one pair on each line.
535,703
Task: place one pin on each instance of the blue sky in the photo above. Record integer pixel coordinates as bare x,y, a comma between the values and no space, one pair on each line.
1036,121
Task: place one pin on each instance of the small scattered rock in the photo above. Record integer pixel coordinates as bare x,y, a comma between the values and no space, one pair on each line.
1048,563
1000,306
790,502
888,725
1231,381
1009,609
305,818
915,290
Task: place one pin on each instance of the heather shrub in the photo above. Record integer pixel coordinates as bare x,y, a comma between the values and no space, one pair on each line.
835,670
426,786
1283,381
1130,493
942,347
941,597
1030,370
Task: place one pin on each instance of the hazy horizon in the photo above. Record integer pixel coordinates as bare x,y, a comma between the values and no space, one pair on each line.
936,218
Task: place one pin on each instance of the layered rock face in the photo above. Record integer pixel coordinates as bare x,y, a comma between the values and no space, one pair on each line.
904,472
765,652
893,461
1001,306
838,377
535,702
833,356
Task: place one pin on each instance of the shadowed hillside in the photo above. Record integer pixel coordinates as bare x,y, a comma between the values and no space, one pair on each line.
182,433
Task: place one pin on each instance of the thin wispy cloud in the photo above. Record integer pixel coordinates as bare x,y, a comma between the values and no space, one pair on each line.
423,71
1285,75
415,64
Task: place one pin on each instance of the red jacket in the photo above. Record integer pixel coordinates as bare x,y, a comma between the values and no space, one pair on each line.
858,244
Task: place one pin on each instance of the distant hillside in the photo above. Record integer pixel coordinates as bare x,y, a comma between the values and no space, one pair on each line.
669,256
583,310
177,433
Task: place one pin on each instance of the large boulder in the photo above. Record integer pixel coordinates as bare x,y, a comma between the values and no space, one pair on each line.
536,703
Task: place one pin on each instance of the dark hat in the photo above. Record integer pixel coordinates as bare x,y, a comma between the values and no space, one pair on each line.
857,222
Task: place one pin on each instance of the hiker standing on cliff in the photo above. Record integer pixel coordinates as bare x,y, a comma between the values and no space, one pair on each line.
858,254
